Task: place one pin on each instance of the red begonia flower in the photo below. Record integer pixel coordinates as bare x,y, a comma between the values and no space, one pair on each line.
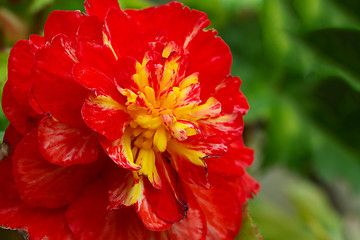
125,124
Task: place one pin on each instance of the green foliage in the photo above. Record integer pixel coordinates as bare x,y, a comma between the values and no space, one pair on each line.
3,77
341,46
292,208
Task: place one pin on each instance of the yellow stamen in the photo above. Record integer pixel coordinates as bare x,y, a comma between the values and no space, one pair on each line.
160,139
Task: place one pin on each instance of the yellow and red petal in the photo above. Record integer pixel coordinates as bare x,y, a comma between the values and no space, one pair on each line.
120,151
164,203
124,190
189,158
53,85
105,116
43,184
89,219
64,145
226,126
100,8
62,22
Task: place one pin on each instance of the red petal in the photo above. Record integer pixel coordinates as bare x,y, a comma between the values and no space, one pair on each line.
12,137
40,223
231,164
164,203
189,158
150,219
23,118
90,30
100,8
226,126
178,22
228,93
95,80
211,57
43,184
120,152
63,145
222,208
121,33
124,190
89,219
105,116
21,60
53,85
37,40
98,56
193,226
62,22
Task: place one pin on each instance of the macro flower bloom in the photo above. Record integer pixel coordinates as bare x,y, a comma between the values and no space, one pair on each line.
124,124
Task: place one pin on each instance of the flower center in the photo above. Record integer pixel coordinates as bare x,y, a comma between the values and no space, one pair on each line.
164,105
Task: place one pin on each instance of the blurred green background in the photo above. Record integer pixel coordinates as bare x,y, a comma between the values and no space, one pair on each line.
299,61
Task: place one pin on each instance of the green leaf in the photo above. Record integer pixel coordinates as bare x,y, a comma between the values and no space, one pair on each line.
3,77
248,231
340,46
136,4
290,207
351,6
38,5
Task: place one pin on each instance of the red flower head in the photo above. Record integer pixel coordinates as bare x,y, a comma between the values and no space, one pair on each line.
124,125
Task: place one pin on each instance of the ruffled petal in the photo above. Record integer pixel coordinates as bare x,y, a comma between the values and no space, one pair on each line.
97,56
89,218
124,189
232,100
120,151
178,22
90,30
63,145
168,205
62,22
22,117
40,223
96,81
149,218
53,85
221,206
100,8
21,60
211,58
120,34
44,184
105,115
15,214
189,158
226,126
193,226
